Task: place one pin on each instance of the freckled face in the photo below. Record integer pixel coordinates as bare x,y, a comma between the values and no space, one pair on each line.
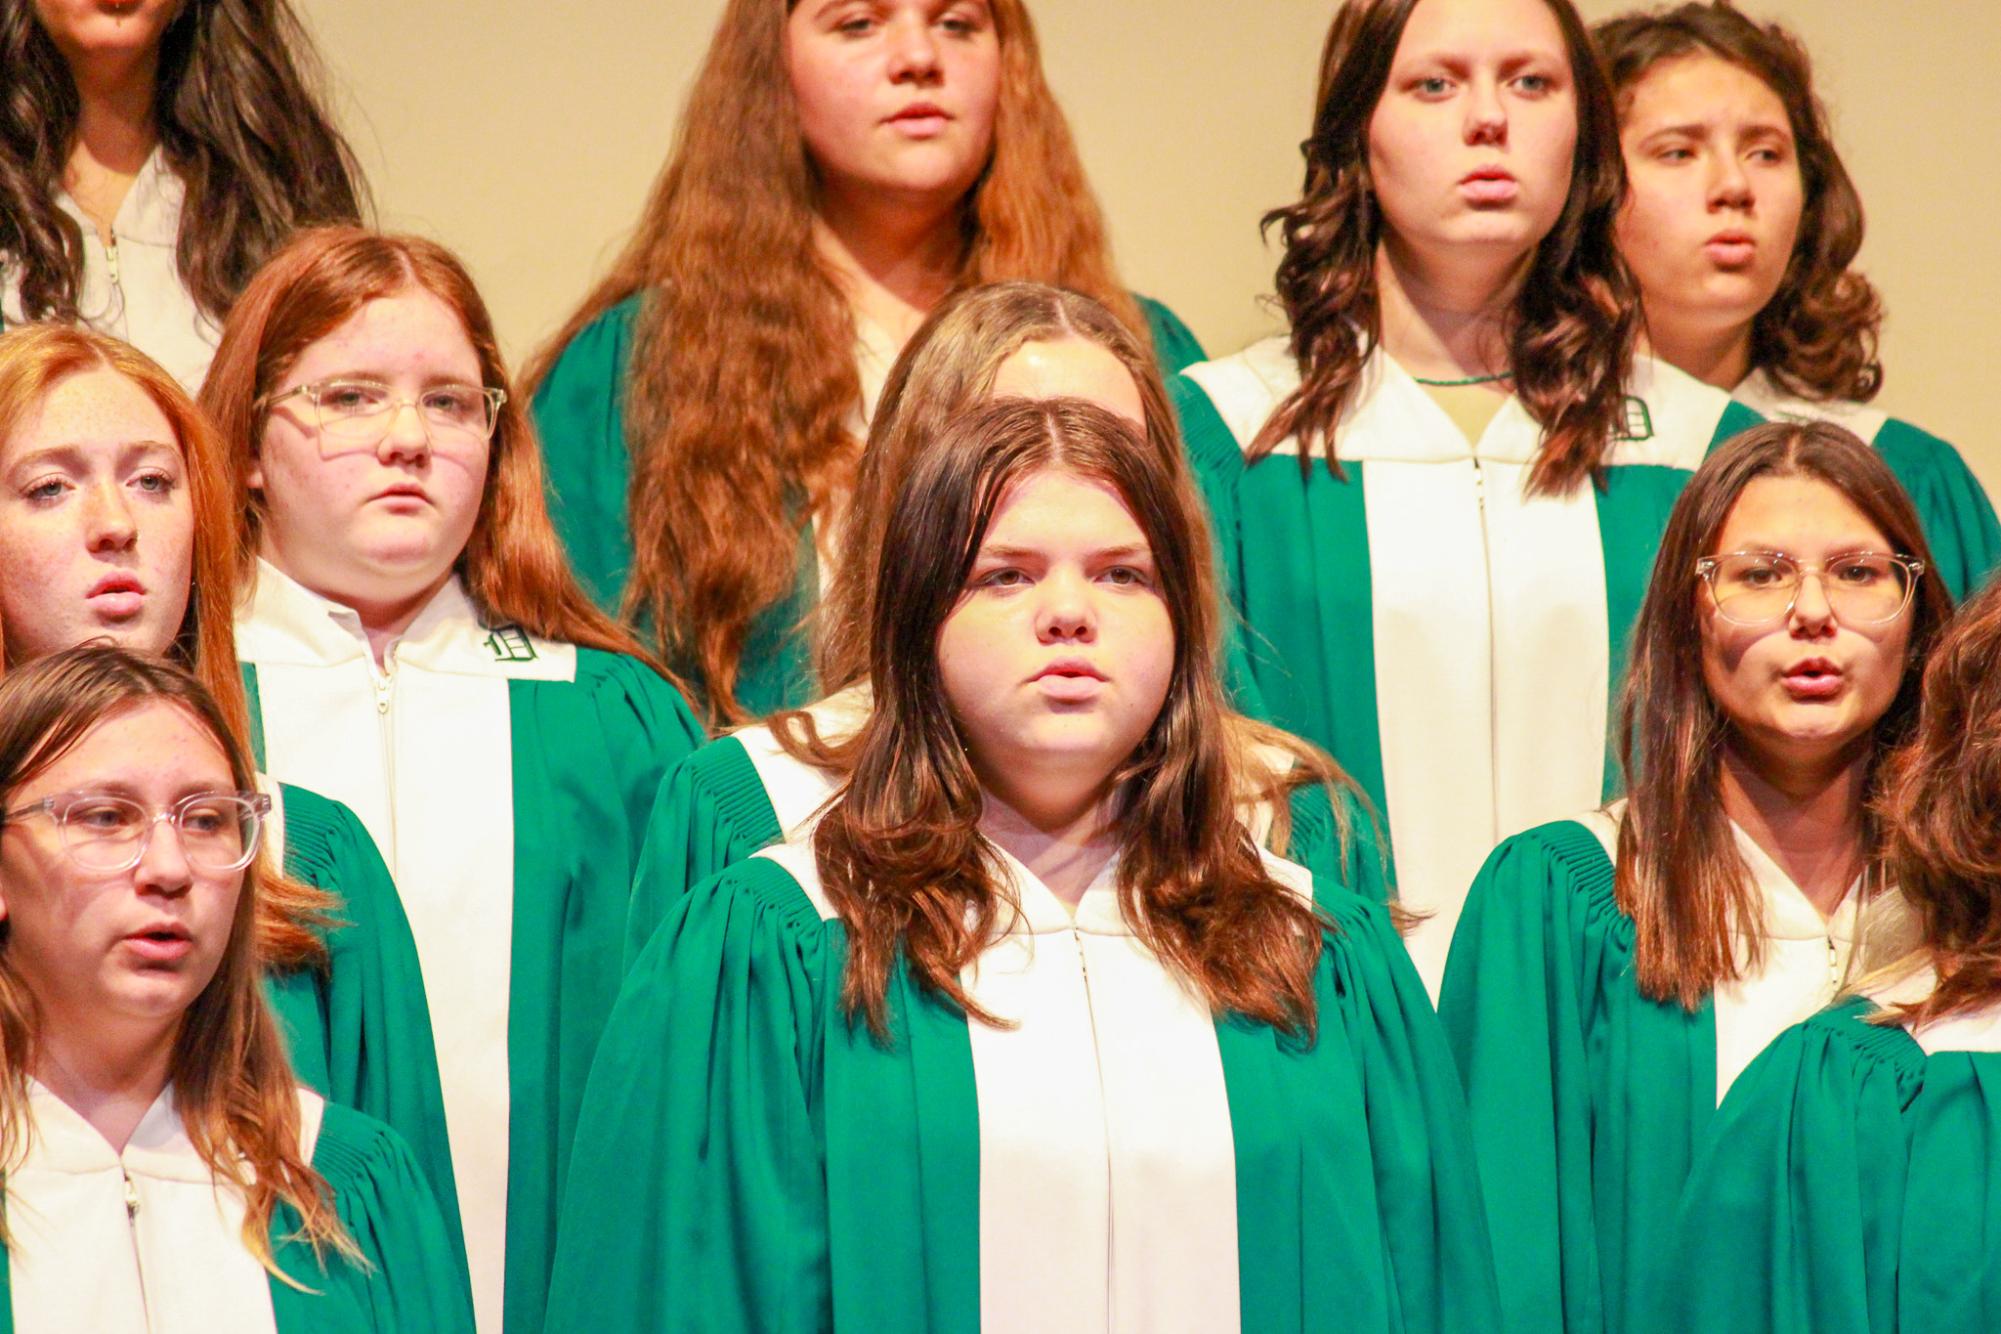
96,526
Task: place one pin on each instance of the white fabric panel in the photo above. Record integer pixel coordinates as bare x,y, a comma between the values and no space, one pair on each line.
1975,1030
798,790
422,750
1762,395
174,1265
147,306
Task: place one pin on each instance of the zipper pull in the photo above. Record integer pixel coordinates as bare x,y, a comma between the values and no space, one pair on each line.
1833,961
111,259
382,690
131,1196
1479,485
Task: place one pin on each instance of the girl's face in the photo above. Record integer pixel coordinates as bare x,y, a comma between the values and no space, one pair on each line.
1057,659
1807,685
1716,196
1472,141
375,525
97,29
96,525
896,97
139,945
1070,367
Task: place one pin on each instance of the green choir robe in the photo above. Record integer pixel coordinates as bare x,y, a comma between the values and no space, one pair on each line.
1453,641
1849,1184
1958,516
507,780
144,1242
743,792
1117,1158
1588,1099
580,412
359,1030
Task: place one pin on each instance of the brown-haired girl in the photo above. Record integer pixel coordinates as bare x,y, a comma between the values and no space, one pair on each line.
163,1170
1612,975
764,784
1438,495
1845,1185
1027,1033
841,167
116,527
152,154
1741,227
417,647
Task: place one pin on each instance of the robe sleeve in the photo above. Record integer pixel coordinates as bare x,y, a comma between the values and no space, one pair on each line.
1959,521
646,722
360,1032
1175,345
1791,1220
412,1277
1440,1267
579,412
697,1197
1512,1010
1352,857
711,813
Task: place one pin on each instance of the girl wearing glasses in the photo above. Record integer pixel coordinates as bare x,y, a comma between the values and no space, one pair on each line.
1027,1033
1439,494
162,1168
115,527
765,783
1741,225
1612,975
416,646
841,168
152,154
1846,1184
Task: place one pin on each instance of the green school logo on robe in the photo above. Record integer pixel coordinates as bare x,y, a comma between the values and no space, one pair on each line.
1639,424
510,643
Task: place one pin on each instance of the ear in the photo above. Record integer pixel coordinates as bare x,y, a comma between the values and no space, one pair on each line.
253,475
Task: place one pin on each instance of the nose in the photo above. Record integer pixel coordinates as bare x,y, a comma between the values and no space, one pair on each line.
1811,614
163,867
913,49
407,438
110,519
1729,184
1065,612
1486,115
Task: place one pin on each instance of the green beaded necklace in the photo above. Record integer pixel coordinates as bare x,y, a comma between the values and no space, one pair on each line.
1469,380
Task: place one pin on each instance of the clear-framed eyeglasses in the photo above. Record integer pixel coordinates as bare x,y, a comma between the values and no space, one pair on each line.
105,833
1760,587
357,413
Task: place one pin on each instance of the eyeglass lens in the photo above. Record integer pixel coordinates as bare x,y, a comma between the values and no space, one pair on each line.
1866,588
217,832
362,411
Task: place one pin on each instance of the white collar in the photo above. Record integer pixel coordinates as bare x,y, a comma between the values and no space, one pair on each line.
1789,914
1040,912
160,1148
151,210
1764,396
284,622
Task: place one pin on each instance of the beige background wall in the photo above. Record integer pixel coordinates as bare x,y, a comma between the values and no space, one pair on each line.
525,134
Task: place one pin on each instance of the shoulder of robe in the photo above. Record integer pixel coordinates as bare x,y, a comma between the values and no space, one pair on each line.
320,835
1567,861
354,1149
1847,1027
604,339
1674,419
611,676
1241,390
1175,345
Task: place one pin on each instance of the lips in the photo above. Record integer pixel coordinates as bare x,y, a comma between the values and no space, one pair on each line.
403,491
117,595
1069,680
921,120
1813,678
162,942
1489,185
1731,249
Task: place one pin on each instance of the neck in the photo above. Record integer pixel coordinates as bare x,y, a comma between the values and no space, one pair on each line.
111,1078
1447,321
385,622
114,127
894,263
1805,814
1717,357
1065,848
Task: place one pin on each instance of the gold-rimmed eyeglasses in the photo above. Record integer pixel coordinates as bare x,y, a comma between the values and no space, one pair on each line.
357,412
1759,587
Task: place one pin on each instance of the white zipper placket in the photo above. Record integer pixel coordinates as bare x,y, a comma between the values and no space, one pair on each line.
132,1230
1098,1064
1493,616
382,680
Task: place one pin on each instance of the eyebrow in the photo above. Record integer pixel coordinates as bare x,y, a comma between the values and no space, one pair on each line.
71,455
1130,551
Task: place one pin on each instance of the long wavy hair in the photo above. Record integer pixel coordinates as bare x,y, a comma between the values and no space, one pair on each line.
233,1086
743,382
513,564
33,361
1817,336
899,850
1570,335
1940,805
242,124
1678,874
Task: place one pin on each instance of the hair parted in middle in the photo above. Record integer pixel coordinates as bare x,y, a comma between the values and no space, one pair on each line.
33,361
513,565
1940,805
899,849
1817,336
233,1084
1678,873
743,381
1571,333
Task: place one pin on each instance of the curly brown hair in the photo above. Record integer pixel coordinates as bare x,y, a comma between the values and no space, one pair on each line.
1818,334
1570,335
